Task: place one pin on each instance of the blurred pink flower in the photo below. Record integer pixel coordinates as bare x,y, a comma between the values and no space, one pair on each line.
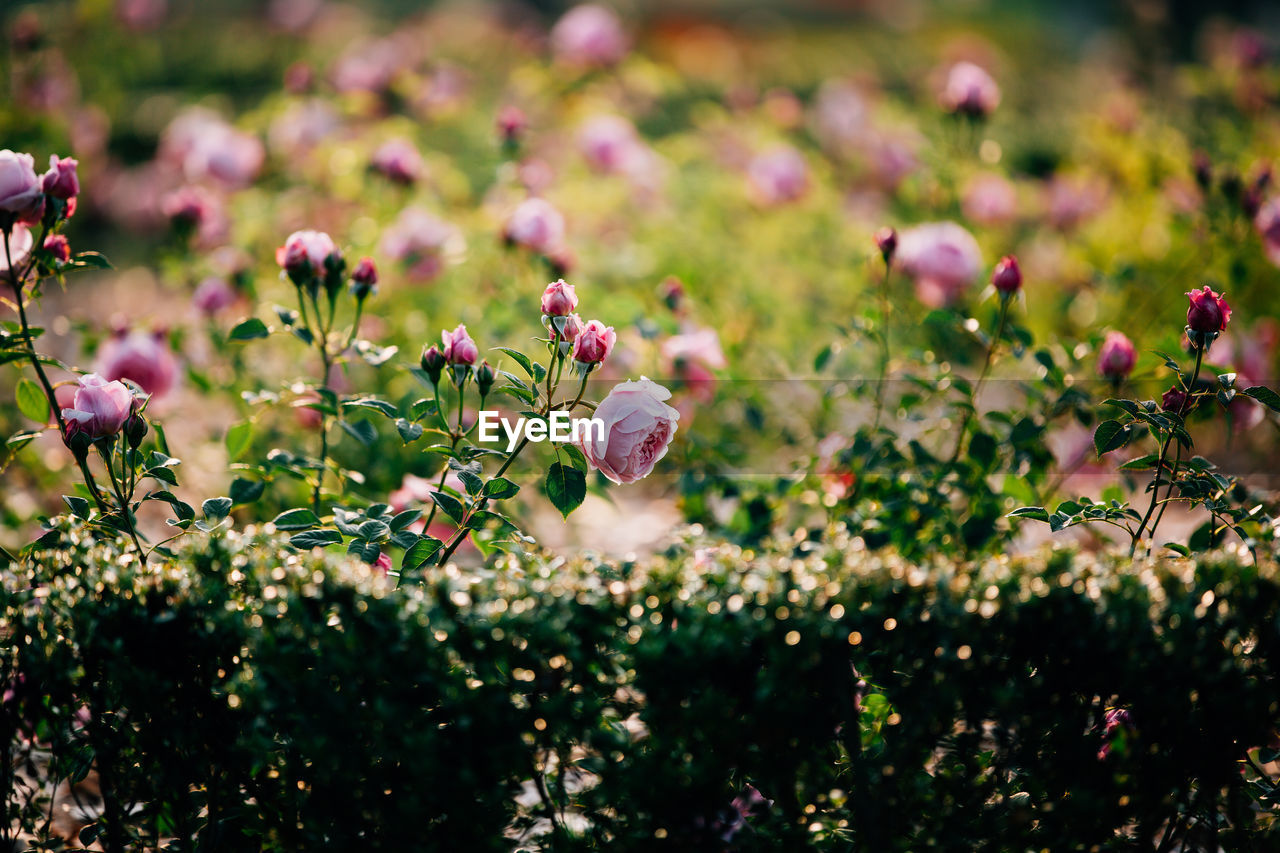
214,295
970,90
1070,200
142,14
778,175
302,126
990,199
691,357
589,36
143,358
398,160
535,225
423,242
293,15
1117,356
205,147
1267,223
608,143
840,116
942,258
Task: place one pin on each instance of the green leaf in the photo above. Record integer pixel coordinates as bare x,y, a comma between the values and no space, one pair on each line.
315,539
500,488
519,358
216,508
452,506
419,553
409,432
1178,548
372,403
1141,463
1109,436
566,487
91,260
79,506
404,519
237,440
246,491
361,431
982,449
1035,513
296,519
1265,396
247,330
575,456
483,518
32,402
373,530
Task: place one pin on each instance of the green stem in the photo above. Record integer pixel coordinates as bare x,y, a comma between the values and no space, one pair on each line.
884,343
982,378
1164,450
125,510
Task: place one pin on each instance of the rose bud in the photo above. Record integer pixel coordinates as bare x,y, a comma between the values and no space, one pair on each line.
594,343
1117,357
382,565
213,295
135,427
970,91
672,293
512,124
399,161
589,36
1208,312
303,255
638,428
485,376
21,199
559,299
459,349
433,361
887,242
364,280
61,180
1007,277
1174,400
99,408
58,247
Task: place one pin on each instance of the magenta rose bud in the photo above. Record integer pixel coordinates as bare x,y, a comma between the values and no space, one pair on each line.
304,254
58,247
1007,277
512,124
485,376
433,361
559,299
99,408
1208,312
382,565
1174,400
459,349
364,280
21,199
970,91
594,343
887,242
1117,357
61,180
638,428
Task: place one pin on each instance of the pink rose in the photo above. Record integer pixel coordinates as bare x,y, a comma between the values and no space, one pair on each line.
399,161
21,198
638,428
594,343
458,346
382,565
364,278
422,241
213,295
58,246
140,357
701,346
1070,200
536,226
1117,356
942,258
61,180
559,299
609,144
303,255
589,36
970,90
100,407
1208,311
777,176
990,200
1007,277
20,243
511,124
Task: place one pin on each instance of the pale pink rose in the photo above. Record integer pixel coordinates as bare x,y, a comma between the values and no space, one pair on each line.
141,357
1116,357
778,175
423,242
399,161
701,346
214,295
990,199
302,126
593,343
638,428
100,407
369,66
589,36
891,155
303,254
1070,200
459,348
608,143
840,116
559,299
970,90
61,181
942,258
21,198
205,147
535,225
20,243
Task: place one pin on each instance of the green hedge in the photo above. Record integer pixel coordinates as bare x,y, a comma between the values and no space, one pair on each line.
253,699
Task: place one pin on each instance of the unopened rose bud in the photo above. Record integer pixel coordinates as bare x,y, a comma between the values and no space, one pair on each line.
1007,277
335,271
1207,314
433,361
672,293
1202,168
459,348
305,256
970,91
887,243
512,124
58,248
485,376
1174,400
1117,357
61,180
364,280
135,429
559,299
594,343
